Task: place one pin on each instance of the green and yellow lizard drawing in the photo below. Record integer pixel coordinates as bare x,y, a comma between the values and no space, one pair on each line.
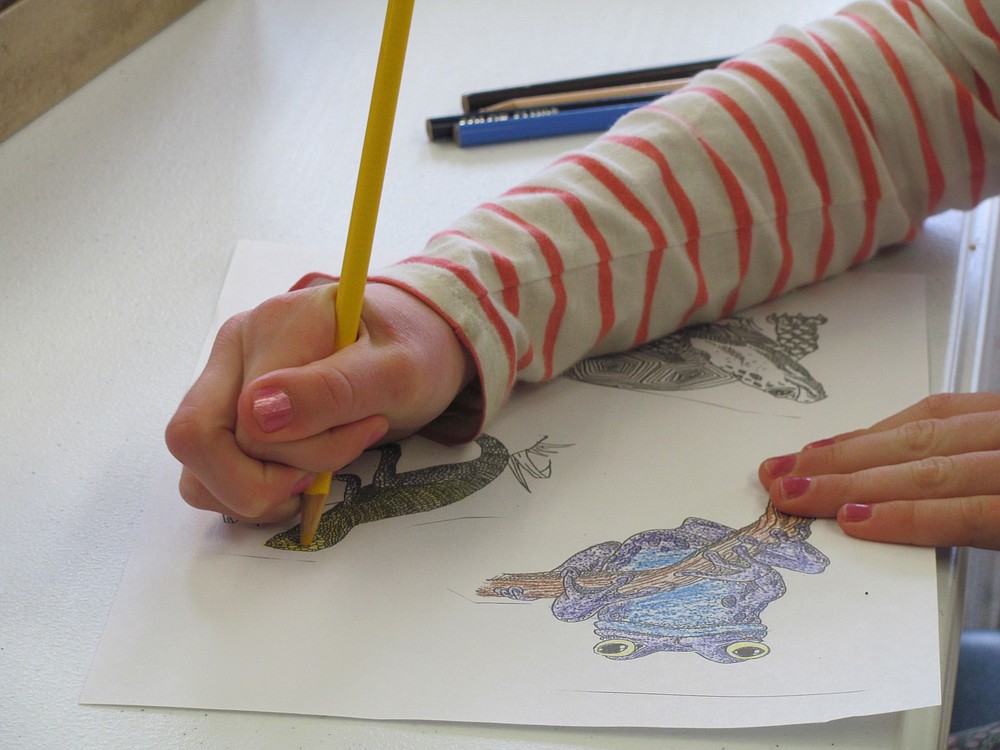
392,494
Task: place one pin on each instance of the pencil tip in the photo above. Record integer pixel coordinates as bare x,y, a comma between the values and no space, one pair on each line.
312,512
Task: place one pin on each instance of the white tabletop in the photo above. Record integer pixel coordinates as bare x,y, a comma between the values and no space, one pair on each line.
119,210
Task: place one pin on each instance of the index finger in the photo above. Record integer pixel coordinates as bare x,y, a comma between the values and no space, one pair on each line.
914,440
937,406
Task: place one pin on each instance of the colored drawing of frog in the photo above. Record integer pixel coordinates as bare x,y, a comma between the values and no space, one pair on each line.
700,587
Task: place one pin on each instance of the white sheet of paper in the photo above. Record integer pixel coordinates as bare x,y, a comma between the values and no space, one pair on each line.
387,624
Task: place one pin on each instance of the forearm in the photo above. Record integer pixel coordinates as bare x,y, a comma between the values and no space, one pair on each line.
793,162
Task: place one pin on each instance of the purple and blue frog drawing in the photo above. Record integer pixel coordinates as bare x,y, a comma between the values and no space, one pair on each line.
700,587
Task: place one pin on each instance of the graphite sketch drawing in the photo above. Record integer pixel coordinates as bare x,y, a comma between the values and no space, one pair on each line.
712,354
392,494
700,587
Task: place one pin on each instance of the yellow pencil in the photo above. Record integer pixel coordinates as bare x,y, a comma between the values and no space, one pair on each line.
364,215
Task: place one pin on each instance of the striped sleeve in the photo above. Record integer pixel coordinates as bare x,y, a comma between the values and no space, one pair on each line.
788,164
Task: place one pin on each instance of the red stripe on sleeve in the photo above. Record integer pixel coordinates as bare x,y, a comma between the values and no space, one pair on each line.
605,277
852,86
903,9
965,103
987,27
986,96
469,280
685,209
982,20
935,177
809,148
973,140
859,142
742,216
555,264
635,207
505,269
767,163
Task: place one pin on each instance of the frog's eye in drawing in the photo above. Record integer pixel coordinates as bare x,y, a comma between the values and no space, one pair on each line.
747,650
614,648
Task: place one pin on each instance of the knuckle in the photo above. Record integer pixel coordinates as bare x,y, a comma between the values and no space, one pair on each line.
976,522
933,472
183,435
231,332
972,517
339,391
920,436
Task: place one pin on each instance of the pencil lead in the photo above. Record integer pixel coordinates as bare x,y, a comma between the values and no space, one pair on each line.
312,511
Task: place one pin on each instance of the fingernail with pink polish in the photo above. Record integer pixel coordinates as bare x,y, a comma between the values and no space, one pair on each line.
793,487
272,408
779,466
855,512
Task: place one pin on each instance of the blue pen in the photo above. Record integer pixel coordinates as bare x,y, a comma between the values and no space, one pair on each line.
478,130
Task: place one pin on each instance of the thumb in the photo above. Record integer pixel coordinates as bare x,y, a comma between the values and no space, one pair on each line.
407,365
296,403
315,417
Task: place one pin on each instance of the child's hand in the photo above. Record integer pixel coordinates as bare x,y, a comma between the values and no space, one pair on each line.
273,406
929,475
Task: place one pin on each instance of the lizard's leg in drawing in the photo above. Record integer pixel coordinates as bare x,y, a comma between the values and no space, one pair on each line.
385,474
337,521
334,524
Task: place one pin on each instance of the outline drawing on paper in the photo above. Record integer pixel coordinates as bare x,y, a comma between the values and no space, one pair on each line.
700,587
392,494
702,356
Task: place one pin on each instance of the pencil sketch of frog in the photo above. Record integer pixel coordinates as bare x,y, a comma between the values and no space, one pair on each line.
732,350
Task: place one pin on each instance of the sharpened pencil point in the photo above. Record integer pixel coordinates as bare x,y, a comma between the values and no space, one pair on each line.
312,510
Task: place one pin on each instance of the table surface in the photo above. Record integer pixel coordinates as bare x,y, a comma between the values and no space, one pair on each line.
119,211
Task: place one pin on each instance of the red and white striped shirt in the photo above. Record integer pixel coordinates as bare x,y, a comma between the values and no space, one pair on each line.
787,164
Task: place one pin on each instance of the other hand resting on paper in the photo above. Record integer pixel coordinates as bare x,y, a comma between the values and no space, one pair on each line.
929,475
273,406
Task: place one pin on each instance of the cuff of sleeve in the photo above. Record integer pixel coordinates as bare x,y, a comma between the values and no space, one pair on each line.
464,309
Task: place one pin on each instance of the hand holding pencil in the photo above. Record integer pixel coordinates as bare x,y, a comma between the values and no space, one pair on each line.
273,407
267,409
